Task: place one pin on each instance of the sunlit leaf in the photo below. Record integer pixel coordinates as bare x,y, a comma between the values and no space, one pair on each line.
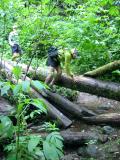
25,86
17,71
17,88
40,104
33,142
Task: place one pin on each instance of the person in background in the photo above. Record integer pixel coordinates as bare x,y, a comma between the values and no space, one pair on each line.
14,43
58,59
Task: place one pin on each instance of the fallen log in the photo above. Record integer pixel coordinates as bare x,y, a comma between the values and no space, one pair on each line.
74,138
99,105
52,111
80,138
5,107
84,84
66,105
104,69
109,118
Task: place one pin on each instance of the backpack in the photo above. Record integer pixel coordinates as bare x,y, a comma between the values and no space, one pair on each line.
53,52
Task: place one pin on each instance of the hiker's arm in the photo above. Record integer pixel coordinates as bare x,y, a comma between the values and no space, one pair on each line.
67,65
10,39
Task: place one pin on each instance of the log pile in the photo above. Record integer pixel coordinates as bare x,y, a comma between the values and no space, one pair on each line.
80,83
62,109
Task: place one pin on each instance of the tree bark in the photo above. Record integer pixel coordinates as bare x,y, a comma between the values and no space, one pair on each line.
104,69
80,83
109,118
52,111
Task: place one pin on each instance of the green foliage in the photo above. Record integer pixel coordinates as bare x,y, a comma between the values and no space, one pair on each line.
6,127
39,85
25,86
33,142
48,126
53,144
90,26
34,147
40,104
5,87
70,94
117,72
17,71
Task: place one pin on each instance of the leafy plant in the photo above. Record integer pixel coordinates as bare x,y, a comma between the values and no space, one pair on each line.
53,144
48,126
27,147
6,127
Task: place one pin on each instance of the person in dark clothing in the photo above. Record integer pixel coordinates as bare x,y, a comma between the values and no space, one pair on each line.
14,43
57,58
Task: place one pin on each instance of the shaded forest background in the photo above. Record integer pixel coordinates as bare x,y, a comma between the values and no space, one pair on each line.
93,27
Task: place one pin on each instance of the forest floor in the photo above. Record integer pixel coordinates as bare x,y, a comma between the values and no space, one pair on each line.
109,149
109,146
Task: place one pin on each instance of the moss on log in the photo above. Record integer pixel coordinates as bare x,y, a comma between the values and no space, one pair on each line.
104,69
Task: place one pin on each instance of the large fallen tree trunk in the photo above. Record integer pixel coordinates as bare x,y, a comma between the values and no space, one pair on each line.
77,138
80,83
66,105
104,69
80,138
52,111
73,138
109,118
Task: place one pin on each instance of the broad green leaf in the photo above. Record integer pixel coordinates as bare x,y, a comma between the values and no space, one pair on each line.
5,89
11,156
51,151
37,84
1,83
17,71
54,140
114,11
25,86
33,142
117,72
6,127
56,135
40,104
17,89
39,153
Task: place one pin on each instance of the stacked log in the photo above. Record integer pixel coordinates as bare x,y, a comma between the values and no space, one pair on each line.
80,83
52,111
81,112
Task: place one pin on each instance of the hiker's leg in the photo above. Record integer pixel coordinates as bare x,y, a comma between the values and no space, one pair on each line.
59,72
16,52
57,75
15,56
50,76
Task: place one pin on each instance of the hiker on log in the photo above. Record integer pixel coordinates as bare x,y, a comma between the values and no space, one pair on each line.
56,60
14,43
